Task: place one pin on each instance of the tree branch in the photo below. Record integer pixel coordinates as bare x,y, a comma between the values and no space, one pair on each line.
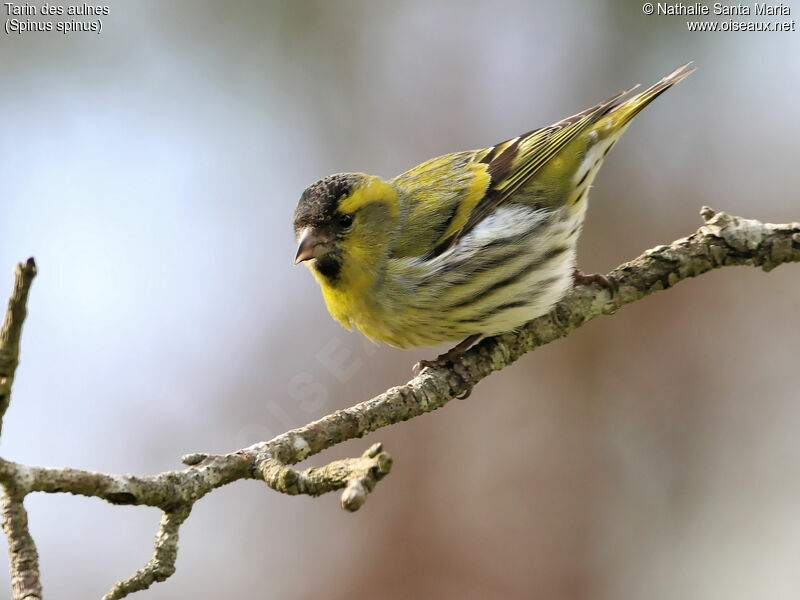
162,565
722,241
25,582
12,330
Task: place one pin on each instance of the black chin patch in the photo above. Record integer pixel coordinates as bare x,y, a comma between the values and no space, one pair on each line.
329,266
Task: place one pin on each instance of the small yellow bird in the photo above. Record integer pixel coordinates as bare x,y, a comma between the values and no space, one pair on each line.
467,244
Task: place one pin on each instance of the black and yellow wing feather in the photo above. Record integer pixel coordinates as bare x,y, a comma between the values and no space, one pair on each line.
456,192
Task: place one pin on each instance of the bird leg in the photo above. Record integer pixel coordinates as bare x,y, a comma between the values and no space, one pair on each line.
449,356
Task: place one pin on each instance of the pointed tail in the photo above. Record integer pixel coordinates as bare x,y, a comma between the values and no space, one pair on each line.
625,110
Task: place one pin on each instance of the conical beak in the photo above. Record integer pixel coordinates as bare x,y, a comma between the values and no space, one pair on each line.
312,245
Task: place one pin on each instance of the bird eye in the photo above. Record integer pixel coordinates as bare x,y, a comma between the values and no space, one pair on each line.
345,220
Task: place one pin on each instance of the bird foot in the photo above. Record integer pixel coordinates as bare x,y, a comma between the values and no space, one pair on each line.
581,278
448,357
424,364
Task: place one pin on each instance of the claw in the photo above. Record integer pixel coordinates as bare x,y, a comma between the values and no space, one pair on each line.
417,368
465,377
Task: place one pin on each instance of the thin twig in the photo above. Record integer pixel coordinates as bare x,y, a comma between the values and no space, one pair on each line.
12,330
162,565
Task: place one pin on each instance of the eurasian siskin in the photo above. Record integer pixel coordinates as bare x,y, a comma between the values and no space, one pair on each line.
463,245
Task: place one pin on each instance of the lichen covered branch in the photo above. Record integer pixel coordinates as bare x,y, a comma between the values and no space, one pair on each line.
24,559
722,241
162,564
12,330
25,582
357,475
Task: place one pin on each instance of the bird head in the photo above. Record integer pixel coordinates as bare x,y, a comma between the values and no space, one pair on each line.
342,224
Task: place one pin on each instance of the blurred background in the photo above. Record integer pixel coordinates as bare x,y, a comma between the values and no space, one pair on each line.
153,170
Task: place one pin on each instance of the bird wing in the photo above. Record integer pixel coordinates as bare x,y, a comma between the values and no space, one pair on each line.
438,196
511,164
445,197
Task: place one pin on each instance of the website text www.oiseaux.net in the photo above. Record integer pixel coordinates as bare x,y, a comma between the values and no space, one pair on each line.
731,11
731,25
